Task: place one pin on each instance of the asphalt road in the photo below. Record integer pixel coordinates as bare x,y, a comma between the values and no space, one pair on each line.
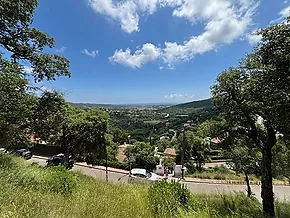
96,173
282,193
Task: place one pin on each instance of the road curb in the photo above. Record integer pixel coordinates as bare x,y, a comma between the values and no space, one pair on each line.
91,167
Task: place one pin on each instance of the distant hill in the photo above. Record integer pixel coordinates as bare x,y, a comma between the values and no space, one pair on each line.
189,107
119,106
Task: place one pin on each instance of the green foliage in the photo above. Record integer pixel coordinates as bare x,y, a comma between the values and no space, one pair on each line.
112,148
254,99
163,144
19,173
119,136
281,159
169,162
50,116
60,180
85,133
167,198
235,205
17,107
87,198
93,198
195,148
141,155
26,43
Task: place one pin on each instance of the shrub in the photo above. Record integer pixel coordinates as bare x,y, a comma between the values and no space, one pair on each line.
60,180
167,199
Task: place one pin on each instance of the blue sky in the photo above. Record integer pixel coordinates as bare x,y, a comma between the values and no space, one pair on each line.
146,51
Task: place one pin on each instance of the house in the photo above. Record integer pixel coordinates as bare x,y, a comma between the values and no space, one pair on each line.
169,152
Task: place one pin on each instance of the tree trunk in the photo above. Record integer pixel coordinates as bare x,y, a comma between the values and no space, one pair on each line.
267,183
249,191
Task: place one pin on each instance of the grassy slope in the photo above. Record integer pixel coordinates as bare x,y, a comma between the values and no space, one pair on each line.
28,191
90,198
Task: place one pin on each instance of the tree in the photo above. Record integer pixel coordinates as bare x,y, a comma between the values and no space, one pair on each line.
28,44
50,116
255,99
17,105
22,44
232,95
163,144
119,136
112,148
141,154
195,148
85,134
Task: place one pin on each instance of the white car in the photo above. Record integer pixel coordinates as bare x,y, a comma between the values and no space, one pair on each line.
141,176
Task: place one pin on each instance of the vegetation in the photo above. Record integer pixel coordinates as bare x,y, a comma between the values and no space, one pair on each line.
250,114
141,155
221,173
254,100
32,191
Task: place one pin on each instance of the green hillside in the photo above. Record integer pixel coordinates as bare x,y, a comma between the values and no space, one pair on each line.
189,107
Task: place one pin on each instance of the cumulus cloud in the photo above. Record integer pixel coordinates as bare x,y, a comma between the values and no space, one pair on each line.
123,12
179,96
147,53
224,21
61,50
91,54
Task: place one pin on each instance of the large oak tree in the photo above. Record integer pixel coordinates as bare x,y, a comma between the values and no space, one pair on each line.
255,99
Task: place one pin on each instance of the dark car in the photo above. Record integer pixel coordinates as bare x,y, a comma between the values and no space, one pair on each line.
24,153
57,160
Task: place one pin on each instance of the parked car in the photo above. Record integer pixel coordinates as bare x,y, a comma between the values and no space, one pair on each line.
142,176
24,153
58,159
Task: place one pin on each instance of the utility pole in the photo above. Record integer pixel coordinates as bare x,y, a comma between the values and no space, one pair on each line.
182,154
106,164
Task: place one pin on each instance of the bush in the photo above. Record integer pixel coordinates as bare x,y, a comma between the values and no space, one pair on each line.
60,180
19,172
167,199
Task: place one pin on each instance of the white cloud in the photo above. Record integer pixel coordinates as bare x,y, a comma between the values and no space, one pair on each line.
224,21
284,13
147,53
122,11
253,38
61,50
91,54
179,96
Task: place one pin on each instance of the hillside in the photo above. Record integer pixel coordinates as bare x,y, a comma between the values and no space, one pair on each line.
189,107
